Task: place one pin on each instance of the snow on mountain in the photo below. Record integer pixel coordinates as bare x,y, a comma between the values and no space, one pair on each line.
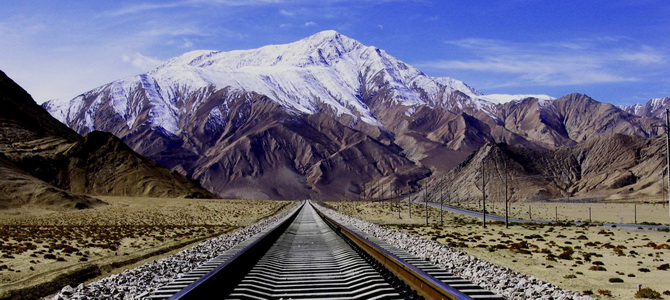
653,108
458,86
505,98
325,68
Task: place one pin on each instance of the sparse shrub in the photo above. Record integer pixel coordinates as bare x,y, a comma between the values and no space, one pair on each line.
615,280
587,292
501,246
644,270
597,268
570,276
598,263
567,255
663,267
606,293
648,294
524,251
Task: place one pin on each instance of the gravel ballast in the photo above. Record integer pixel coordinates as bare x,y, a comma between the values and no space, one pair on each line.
502,281
138,282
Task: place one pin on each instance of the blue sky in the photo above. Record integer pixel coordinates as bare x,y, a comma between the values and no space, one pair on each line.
614,51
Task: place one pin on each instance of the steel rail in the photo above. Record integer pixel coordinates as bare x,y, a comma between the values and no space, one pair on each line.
199,288
227,273
423,283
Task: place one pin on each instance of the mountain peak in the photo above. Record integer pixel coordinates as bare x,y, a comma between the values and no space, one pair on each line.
326,34
328,41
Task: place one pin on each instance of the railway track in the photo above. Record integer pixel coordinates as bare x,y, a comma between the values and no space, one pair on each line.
308,255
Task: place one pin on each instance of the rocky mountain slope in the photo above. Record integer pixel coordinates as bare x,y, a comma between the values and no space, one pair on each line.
610,166
286,121
653,108
43,162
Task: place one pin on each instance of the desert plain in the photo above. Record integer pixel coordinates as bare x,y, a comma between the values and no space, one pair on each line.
42,249
603,261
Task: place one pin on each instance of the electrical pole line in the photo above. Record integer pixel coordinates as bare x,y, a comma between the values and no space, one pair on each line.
667,151
441,202
667,155
425,198
483,194
506,197
410,205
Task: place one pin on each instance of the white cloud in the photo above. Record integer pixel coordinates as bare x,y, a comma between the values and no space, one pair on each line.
145,7
645,56
141,62
380,26
287,13
167,30
552,64
310,24
187,44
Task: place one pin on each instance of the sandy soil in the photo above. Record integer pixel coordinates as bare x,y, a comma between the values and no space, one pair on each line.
567,256
37,245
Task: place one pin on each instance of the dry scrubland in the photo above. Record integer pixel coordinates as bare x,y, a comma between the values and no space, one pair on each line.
592,259
38,246
603,212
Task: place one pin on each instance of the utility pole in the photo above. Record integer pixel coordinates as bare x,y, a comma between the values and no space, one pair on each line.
410,205
484,193
425,198
441,202
362,193
398,201
667,155
506,199
667,151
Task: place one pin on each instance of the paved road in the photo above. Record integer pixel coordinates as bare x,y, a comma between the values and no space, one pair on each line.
490,217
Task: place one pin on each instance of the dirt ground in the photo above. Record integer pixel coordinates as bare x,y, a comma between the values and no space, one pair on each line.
37,245
591,259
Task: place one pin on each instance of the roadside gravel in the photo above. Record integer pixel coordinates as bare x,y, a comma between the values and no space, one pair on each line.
503,281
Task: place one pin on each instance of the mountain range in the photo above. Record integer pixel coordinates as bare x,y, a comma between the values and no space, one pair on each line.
326,117
43,163
616,166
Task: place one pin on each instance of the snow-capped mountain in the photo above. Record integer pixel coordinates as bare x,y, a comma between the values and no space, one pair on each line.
653,108
326,68
320,116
